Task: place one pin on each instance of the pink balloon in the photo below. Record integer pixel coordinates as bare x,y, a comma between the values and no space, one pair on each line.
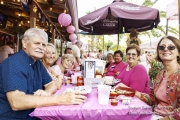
70,29
64,19
72,36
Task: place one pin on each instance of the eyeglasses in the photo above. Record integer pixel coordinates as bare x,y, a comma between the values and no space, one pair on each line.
133,54
171,47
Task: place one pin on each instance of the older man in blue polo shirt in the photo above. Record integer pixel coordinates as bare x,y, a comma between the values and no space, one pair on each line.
23,77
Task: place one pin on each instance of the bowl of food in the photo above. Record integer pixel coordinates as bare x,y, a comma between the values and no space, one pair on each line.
113,94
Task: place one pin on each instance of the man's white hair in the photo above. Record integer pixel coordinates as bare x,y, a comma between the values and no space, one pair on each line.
32,32
79,42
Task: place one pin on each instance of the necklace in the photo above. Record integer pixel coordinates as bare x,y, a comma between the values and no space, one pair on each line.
168,73
129,68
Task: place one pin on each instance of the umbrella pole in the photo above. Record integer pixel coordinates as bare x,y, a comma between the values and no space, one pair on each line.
166,26
118,43
103,48
118,35
179,16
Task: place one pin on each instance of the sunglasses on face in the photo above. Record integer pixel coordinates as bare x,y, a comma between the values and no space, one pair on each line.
133,54
168,47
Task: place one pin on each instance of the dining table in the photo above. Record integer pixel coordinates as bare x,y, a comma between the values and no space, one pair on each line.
92,110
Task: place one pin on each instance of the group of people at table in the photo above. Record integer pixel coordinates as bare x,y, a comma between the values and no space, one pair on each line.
27,79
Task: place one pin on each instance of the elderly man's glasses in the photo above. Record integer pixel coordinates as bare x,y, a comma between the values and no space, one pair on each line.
171,47
133,54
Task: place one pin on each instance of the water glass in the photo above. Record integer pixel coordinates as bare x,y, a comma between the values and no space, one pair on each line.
103,94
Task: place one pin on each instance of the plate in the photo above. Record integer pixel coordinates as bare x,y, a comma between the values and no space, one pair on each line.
113,82
87,89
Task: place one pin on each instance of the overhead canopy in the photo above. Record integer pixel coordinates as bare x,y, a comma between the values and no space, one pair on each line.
172,11
120,17
150,45
15,16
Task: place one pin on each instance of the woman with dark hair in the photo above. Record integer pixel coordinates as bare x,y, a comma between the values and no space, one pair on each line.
165,95
109,59
117,66
134,75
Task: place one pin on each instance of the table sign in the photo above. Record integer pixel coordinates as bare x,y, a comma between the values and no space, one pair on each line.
89,69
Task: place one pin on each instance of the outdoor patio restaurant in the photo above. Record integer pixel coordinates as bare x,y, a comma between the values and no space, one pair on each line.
118,61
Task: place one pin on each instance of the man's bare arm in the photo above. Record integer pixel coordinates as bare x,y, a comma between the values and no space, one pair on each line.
20,101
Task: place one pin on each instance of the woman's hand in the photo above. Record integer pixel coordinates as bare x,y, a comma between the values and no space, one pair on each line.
117,73
122,85
105,71
138,94
69,98
41,93
164,118
59,81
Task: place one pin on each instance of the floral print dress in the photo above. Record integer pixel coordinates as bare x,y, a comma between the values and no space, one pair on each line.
172,94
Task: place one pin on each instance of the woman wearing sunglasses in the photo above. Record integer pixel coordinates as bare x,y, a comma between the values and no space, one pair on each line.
134,75
165,95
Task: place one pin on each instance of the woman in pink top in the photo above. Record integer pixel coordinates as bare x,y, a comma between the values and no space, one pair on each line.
165,95
48,60
117,66
134,75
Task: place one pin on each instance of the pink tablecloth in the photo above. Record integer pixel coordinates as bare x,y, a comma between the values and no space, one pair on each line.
91,110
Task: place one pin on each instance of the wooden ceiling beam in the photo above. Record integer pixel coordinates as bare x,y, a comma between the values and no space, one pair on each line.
15,13
55,8
42,1
11,1
52,15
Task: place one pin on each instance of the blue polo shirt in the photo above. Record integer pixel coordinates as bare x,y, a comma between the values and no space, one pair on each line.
20,72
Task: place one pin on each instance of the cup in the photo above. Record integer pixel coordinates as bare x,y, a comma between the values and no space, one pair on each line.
78,68
74,77
103,94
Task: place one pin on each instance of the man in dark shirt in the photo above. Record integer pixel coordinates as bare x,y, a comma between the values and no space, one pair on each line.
23,77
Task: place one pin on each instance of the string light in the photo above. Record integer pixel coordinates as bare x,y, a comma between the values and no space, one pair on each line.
2,2
20,24
19,14
28,21
65,11
18,0
50,8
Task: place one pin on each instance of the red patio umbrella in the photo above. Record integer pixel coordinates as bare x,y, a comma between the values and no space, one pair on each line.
120,17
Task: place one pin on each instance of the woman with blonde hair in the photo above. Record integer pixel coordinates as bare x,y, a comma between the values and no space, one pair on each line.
49,58
67,60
